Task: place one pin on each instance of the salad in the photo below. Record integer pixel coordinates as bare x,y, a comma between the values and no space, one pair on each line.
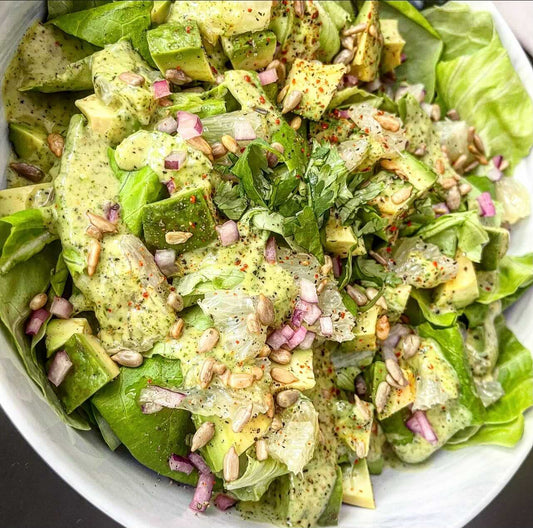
263,246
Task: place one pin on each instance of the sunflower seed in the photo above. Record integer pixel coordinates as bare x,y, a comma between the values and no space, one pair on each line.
439,166
93,256
231,465
208,340
252,323
504,165
478,143
240,380
276,424
392,382
360,449
133,79
229,143
94,232
373,30
176,329
464,189
362,408
101,223
345,56
299,8
421,150
261,451
265,310
287,398
218,150
395,371
199,143
281,356
357,295
453,198
38,301
291,101
175,301
241,418
371,293
282,93
282,375
382,328
360,385
321,285
353,30
387,122
435,112
269,402
453,114
459,163
409,345
28,171
206,372
382,395
327,267
264,352
203,435
402,195
56,144
219,368
225,377
447,183
280,68
128,358
177,237
278,146
348,42
177,77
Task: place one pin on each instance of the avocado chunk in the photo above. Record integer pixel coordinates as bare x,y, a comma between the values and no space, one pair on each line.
317,82
396,197
31,145
91,369
365,330
27,197
393,43
301,366
396,298
419,175
353,423
495,249
59,331
357,486
250,51
340,240
189,211
365,63
463,289
150,438
160,11
180,46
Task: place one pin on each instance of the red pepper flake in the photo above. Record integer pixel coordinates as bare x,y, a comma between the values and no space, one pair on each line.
188,29
245,267
389,249
249,10
247,78
193,199
193,224
320,89
262,99
334,139
278,121
324,126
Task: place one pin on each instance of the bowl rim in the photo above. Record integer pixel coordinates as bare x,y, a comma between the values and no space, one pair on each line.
63,465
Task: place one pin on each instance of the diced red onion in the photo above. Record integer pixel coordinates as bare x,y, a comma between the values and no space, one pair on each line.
224,502
161,89
165,397
497,160
337,266
308,291
268,76
403,57
151,408
345,114
203,492
350,80
112,212
199,463
175,160
374,85
189,125
61,308
307,343
298,315
168,125
38,317
166,261
297,338
228,233
59,367
494,174
305,311
181,464
243,130
287,332
486,204
271,251
326,326
312,314
276,339
419,424
171,186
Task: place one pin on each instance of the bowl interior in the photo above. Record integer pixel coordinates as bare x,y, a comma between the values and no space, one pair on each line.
448,491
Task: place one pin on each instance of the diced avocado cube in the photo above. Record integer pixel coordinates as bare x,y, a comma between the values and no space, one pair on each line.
396,197
365,330
341,239
354,425
419,175
462,290
91,369
393,43
225,437
365,63
160,11
59,331
189,211
250,51
317,82
301,366
396,298
175,45
27,197
31,145
357,486
375,459
495,249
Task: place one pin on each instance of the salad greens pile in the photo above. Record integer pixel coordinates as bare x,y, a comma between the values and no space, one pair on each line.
263,246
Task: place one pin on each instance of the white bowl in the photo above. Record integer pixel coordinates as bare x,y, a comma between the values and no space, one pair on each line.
447,492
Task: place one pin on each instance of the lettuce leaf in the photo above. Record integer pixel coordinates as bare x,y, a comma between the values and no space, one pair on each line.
471,82
423,45
62,7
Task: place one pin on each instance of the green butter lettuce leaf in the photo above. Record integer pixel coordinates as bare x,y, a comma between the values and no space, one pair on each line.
110,22
62,7
17,287
230,199
195,316
421,308
60,276
110,438
23,235
514,276
423,45
150,438
471,82
451,344
304,228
